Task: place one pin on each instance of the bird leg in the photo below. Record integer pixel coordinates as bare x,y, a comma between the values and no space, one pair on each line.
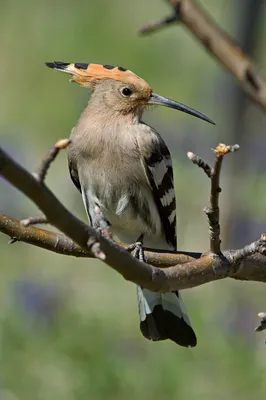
137,248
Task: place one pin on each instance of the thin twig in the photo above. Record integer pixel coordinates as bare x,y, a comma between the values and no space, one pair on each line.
255,247
239,256
34,221
49,158
200,163
156,25
212,211
221,46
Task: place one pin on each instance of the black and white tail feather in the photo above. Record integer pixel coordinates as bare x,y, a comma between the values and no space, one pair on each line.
163,316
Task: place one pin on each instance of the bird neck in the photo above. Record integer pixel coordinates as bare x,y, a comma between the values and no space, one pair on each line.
102,128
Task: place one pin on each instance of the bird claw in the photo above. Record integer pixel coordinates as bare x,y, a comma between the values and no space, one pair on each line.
137,251
105,232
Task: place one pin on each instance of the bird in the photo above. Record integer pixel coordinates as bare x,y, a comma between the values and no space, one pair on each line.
123,168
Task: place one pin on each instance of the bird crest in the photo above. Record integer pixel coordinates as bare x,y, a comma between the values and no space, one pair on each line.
90,74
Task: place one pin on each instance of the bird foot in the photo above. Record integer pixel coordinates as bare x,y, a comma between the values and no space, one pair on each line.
137,249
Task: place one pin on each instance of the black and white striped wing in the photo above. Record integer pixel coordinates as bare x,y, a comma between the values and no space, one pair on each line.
160,174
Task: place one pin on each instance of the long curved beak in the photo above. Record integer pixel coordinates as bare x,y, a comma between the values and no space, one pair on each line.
155,99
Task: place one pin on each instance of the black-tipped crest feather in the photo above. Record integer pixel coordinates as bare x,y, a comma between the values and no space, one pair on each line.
57,65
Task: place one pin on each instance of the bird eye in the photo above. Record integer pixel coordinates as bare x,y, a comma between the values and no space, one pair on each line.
126,92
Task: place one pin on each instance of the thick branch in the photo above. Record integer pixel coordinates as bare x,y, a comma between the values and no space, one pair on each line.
250,268
220,45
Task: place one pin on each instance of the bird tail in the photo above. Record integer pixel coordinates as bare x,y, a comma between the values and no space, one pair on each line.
163,316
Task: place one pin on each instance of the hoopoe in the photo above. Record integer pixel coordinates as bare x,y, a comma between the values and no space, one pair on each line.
122,165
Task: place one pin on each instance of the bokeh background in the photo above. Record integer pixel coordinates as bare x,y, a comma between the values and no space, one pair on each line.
69,327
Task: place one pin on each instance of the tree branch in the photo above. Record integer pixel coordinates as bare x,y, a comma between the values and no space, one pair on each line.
180,271
248,267
219,44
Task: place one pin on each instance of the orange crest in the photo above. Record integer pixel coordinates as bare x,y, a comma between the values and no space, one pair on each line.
89,74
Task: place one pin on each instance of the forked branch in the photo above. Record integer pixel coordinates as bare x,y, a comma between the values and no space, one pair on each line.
163,271
244,264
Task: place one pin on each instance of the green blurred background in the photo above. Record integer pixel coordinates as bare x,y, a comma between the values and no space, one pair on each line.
69,327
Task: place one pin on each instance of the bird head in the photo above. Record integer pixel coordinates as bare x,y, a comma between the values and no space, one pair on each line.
119,89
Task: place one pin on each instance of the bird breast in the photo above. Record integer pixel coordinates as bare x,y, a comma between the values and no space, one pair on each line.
119,187
113,177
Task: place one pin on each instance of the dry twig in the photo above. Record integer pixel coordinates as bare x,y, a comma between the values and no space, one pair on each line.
34,221
156,25
200,163
49,158
212,211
